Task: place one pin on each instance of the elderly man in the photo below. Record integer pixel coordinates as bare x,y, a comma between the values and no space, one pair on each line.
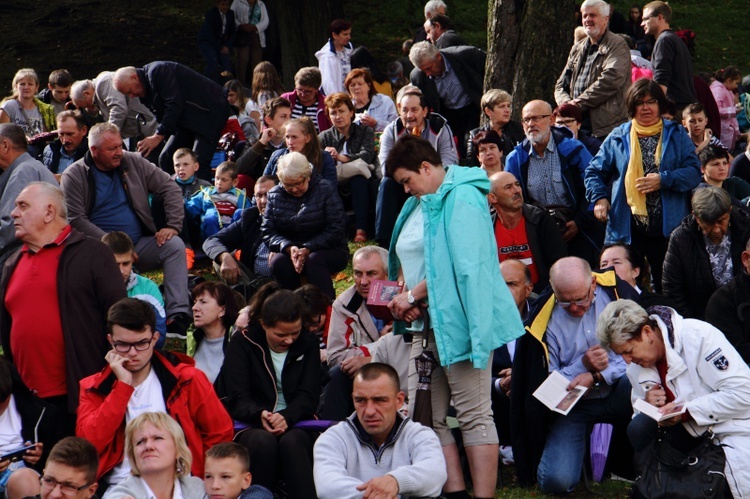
452,80
100,97
597,73
19,169
728,308
550,164
355,335
561,334
55,293
244,234
415,119
671,60
109,190
409,459
71,143
705,251
190,108
522,231
430,8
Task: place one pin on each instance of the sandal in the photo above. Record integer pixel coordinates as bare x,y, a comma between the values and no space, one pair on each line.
360,236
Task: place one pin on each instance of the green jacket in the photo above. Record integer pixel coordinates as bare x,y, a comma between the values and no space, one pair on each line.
471,309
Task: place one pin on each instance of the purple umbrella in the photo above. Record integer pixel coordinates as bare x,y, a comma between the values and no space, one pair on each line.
600,437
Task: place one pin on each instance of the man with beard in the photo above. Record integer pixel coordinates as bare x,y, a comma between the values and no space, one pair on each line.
597,73
415,119
549,165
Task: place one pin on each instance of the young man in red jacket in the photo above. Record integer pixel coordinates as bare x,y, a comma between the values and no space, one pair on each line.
139,380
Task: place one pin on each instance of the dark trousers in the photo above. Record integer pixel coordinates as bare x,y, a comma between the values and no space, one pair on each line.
336,401
288,457
360,188
318,269
391,198
654,248
203,148
461,121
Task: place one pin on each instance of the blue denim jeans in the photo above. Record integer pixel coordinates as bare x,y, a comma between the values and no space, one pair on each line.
560,467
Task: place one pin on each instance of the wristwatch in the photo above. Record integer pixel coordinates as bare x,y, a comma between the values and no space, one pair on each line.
410,298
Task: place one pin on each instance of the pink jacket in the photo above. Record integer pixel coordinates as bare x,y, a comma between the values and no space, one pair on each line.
730,128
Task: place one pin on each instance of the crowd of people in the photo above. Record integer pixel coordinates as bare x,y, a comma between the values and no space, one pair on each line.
604,237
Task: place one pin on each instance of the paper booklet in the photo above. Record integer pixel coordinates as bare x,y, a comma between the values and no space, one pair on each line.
554,394
653,412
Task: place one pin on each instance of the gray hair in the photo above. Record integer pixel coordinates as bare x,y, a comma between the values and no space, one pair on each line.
98,130
14,134
79,87
55,195
293,165
422,52
619,322
124,74
366,252
710,203
600,4
432,7
308,77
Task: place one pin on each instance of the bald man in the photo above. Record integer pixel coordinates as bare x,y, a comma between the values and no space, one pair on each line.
563,320
549,164
522,231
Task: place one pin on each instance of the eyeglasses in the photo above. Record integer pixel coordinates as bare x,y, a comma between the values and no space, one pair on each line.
534,119
304,91
67,489
140,346
565,121
290,187
650,102
260,196
585,302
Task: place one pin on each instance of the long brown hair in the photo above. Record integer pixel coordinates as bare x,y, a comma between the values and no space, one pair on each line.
265,78
312,150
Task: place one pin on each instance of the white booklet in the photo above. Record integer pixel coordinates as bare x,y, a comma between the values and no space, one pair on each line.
653,412
554,393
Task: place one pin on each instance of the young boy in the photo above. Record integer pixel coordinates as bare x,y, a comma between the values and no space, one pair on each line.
138,286
694,120
57,93
227,474
185,166
220,205
276,114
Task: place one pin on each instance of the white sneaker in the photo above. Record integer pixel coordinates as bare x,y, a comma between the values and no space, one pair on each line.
506,454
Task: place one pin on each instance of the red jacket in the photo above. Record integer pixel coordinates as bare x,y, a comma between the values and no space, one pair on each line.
188,395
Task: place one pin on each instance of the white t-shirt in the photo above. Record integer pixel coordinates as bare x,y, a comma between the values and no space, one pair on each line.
147,397
278,366
10,428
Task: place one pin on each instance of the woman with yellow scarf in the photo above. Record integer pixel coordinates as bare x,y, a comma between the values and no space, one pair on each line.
641,180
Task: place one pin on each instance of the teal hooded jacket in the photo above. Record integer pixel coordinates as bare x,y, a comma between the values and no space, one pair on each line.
471,310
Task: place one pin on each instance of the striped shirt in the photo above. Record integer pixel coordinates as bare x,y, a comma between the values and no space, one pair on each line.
450,89
310,111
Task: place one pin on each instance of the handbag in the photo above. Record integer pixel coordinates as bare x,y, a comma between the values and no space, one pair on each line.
666,472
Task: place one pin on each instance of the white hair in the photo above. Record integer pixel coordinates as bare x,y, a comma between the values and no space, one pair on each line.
366,252
432,7
422,52
600,4
124,74
79,87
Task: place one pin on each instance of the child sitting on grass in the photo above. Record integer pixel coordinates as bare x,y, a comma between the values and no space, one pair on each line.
220,205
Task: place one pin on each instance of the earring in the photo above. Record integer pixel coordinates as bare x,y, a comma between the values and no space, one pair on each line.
180,468
651,342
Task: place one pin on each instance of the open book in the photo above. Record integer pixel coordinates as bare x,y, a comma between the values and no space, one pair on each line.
554,393
653,412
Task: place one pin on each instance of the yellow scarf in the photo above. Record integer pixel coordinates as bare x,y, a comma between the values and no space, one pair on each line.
636,199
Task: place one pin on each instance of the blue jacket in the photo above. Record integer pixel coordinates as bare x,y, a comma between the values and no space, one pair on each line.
471,309
201,205
679,169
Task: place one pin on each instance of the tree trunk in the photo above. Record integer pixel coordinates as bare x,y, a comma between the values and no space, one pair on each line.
528,42
302,27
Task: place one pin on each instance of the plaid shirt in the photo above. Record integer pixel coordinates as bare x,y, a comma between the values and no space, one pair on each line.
591,52
545,180
450,89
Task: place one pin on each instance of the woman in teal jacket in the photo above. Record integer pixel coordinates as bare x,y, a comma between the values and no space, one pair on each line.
641,180
444,249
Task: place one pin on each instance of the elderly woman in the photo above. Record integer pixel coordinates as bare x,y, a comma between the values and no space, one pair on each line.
645,172
489,148
496,105
282,359
214,313
159,459
304,226
705,251
444,250
682,361
571,117
306,99
352,146
373,109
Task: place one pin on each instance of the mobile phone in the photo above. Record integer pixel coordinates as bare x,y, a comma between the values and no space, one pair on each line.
16,454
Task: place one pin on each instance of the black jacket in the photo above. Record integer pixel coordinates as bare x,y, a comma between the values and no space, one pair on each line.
210,31
247,381
729,310
183,98
687,277
468,64
511,137
314,220
244,234
52,160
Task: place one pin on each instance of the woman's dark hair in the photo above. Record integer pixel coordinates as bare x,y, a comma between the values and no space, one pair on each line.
639,90
488,137
712,152
314,302
281,306
339,25
569,111
409,152
224,297
257,300
637,261
728,73
363,58
360,73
